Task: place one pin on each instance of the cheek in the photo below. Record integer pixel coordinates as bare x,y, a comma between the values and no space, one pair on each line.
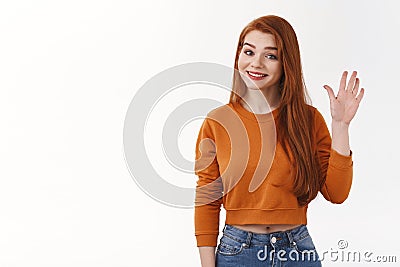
278,69
242,62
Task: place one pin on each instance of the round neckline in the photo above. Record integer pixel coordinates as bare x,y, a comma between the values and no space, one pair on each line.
259,117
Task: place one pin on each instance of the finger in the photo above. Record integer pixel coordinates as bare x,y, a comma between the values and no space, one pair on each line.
355,90
352,80
360,95
343,82
330,92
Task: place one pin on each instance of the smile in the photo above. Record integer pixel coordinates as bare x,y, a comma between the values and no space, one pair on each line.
256,75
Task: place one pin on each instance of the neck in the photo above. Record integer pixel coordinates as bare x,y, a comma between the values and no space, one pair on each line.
261,101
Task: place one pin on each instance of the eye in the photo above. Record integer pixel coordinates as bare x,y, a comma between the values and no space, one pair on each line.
248,52
271,56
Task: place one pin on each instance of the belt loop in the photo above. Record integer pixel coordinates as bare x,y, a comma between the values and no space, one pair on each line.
249,237
290,236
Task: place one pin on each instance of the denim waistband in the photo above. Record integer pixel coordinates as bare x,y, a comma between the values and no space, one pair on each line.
281,238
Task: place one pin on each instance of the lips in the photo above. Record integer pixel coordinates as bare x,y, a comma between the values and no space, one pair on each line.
256,75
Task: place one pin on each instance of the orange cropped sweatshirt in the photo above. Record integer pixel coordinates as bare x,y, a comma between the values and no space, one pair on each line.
240,165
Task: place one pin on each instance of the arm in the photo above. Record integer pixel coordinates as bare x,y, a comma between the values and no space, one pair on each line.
343,109
340,138
336,168
208,197
207,256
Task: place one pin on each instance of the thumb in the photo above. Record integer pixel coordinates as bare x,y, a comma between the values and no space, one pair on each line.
331,94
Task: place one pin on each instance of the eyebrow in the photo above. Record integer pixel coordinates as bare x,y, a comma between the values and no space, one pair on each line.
267,47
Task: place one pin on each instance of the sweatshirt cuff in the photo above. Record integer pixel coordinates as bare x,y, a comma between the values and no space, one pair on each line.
207,240
341,161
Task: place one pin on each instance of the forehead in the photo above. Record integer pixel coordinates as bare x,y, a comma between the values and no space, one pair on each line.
260,39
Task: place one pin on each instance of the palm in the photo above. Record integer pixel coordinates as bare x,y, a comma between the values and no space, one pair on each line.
344,106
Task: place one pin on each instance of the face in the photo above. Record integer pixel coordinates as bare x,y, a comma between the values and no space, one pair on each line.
258,61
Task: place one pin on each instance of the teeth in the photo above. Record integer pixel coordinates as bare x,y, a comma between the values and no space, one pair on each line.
257,75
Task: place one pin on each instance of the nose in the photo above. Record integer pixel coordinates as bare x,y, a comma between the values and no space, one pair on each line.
257,62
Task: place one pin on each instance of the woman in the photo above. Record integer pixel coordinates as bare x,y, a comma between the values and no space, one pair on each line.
267,153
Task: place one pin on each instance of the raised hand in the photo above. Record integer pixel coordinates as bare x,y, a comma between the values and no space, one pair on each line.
344,106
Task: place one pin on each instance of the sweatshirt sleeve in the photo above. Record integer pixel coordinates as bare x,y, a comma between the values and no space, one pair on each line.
335,167
208,197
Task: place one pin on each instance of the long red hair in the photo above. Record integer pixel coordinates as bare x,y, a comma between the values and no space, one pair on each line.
294,121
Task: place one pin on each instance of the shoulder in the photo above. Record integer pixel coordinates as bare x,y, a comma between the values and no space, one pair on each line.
320,125
311,108
223,118
316,114
220,112
213,117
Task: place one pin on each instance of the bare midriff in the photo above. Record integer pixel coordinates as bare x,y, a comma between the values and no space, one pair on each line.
266,228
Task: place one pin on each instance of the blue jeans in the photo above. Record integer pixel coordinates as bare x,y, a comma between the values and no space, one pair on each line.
241,248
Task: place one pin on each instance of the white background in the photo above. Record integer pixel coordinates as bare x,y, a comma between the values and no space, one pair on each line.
68,72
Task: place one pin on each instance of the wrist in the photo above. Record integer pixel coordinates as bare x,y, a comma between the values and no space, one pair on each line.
340,125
